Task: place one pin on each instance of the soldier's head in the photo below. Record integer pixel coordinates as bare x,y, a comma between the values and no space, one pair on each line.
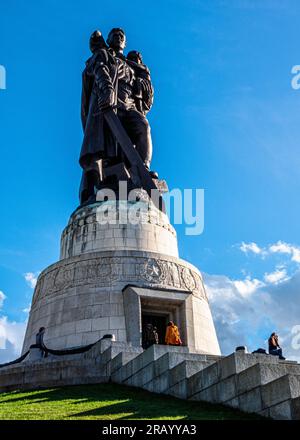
135,56
116,39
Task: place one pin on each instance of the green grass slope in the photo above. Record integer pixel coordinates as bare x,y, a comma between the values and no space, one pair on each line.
107,402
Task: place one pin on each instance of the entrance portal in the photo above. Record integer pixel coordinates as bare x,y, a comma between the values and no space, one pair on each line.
158,321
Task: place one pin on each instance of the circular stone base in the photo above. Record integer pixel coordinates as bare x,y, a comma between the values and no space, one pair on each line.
118,225
80,299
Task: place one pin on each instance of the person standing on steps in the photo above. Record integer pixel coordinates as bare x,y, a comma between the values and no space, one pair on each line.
150,336
156,335
172,335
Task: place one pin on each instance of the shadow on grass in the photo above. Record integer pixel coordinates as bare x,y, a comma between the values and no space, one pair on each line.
123,402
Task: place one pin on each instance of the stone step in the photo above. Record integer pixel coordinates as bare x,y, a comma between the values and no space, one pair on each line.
279,390
147,357
120,361
180,373
155,376
261,374
244,390
254,389
226,367
288,410
107,346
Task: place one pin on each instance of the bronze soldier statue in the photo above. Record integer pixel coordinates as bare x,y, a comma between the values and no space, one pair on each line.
112,81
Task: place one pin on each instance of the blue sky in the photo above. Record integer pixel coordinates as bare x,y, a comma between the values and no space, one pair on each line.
225,118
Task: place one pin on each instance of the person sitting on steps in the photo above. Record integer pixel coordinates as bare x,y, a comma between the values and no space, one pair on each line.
274,347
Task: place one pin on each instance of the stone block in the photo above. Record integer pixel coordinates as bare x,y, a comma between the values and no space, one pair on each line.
84,299
74,340
118,233
295,405
140,361
73,314
185,370
204,379
99,297
119,242
285,388
94,311
70,302
281,411
227,389
161,383
90,337
131,243
56,343
112,309
169,360
143,376
210,394
121,335
127,371
178,390
121,359
67,329
251,401
250,378
100,324
11,377
261,374
233,403
117,322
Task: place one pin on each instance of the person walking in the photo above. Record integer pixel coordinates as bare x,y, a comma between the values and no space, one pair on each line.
274,347
172,335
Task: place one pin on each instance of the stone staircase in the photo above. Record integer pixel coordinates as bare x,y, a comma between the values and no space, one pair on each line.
256,383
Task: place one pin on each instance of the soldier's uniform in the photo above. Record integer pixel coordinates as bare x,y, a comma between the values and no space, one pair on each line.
110,78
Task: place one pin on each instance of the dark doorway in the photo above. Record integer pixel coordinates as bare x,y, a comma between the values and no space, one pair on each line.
158,321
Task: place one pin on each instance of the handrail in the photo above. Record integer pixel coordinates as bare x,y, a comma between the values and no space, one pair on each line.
66,351
47,350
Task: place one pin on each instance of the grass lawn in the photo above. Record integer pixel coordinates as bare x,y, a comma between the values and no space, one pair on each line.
107,402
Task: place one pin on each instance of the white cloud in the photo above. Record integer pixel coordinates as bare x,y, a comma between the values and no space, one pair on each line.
11,336
284,248
278,276
280,247
11,339
248,319
251,247
27,309
2,298
31,278
247,286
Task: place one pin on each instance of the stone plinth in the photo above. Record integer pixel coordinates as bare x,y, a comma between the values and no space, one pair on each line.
111,274
122,225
